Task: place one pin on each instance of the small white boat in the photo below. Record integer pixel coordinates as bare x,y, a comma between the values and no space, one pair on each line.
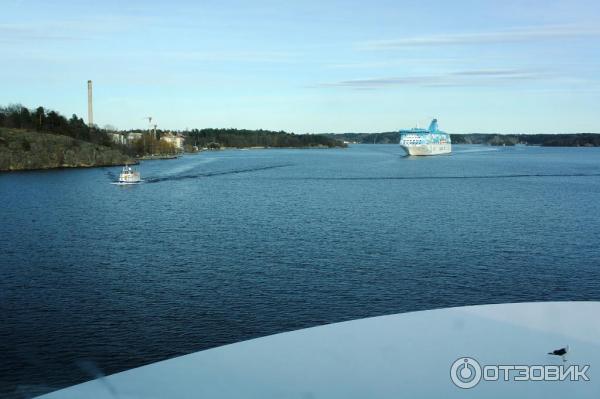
129,176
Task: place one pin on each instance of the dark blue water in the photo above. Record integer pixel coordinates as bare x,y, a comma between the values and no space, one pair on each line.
225,246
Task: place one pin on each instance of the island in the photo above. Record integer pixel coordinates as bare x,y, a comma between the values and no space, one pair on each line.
24,150
44,139
493,139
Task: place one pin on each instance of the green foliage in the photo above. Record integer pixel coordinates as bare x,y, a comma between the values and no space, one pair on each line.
548,140
22,149
148,144
242,138
562,140
16,116
42,120
367,138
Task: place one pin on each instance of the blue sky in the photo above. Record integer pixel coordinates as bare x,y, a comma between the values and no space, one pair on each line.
309,66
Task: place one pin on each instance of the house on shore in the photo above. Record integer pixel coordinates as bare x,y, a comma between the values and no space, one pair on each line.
132,136
118,138
176,139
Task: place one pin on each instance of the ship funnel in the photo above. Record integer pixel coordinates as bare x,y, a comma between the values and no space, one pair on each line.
433,127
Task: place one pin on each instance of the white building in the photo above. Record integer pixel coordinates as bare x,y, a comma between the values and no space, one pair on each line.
118,138
132,136
174,138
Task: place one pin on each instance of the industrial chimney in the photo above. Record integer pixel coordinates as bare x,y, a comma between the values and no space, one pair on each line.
90,106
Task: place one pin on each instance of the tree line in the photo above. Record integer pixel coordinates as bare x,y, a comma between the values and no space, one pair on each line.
43,120
546,140
40,119
549,140
241,138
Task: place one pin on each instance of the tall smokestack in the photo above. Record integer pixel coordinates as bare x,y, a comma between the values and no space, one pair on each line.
90,106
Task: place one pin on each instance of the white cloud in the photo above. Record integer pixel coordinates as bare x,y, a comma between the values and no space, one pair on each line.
476,77
503,36
70,29
233,56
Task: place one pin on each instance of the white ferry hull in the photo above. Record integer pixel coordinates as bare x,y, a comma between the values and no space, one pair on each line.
427,149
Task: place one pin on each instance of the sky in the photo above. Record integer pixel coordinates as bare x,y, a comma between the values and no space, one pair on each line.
309,66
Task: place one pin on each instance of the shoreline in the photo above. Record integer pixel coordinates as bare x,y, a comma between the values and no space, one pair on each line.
137,161
272,148
65,167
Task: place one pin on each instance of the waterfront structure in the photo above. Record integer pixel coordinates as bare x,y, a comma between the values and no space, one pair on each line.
132,136
174,138
429,141
118,138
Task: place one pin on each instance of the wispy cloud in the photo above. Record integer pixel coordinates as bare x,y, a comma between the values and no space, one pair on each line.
21,33
70,29
502,36
248,56
478,77
396,63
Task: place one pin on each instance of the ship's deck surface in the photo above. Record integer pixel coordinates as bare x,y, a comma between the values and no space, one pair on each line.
397,356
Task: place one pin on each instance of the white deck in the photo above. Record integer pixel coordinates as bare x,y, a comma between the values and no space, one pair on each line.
398,356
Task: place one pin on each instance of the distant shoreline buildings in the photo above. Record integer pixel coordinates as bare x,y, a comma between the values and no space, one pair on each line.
128,138
177,139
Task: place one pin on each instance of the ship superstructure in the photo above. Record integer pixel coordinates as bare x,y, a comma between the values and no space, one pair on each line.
129,176
429,141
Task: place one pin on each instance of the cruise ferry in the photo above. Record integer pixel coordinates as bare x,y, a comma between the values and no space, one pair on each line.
429,141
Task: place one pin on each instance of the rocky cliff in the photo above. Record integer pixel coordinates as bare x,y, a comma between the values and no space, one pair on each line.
22,150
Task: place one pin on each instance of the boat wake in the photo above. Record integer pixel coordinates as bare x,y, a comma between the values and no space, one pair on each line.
120,183
471,150
111,175
211,174
449,177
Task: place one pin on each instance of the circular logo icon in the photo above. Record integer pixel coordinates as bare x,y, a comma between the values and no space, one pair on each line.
465,372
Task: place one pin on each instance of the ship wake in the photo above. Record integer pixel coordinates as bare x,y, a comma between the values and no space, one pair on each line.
159,179
508,176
